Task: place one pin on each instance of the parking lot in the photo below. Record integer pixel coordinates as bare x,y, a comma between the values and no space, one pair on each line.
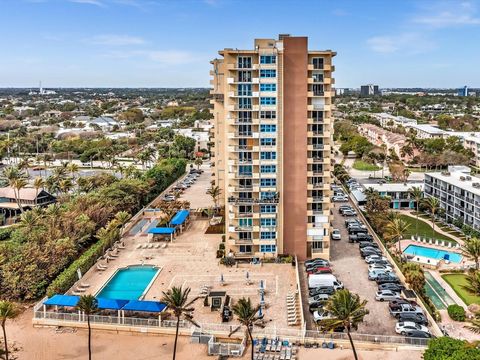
350,268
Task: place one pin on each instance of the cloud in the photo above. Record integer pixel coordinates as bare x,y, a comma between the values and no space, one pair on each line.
162,57
453,15
410,43
116,40
89,2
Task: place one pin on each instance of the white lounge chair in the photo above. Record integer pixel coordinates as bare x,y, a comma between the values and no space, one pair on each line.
101,268
139,246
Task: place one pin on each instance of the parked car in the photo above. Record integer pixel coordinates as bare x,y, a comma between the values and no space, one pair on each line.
319,270
401,327
344,207
318,298
381,263
319,262
397,302
349,213
374,274
365,244
169,198
391,286
336,235
322,290
418,334
386,268
403,309
354,230
316,306
339,199
370,251
387,278
386,295
362,236
321,315
372,258
413,317
352,222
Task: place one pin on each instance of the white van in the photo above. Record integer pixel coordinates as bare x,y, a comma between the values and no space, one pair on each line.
316,280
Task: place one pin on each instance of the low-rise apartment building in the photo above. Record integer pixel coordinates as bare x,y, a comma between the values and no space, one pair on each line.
388,120
459,195
399,193
378,136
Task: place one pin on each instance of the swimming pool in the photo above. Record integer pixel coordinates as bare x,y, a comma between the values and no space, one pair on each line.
432,253
129,283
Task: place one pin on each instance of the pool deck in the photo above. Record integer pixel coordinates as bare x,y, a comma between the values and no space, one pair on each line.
190,260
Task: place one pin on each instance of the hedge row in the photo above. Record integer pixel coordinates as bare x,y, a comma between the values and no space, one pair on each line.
68,277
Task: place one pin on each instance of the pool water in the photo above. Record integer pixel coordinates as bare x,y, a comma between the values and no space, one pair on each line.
432,253
129,283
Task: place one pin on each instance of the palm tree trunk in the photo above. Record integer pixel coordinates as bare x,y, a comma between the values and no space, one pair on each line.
416,223
89,338
351,343
251,341
176,338
5,340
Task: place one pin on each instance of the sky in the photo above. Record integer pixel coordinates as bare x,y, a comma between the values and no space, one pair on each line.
169,43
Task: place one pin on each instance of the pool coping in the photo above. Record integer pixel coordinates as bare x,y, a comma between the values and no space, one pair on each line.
147,288
434,248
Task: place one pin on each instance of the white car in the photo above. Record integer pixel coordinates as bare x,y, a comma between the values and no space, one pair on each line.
320,315
372,267
372,275
371,258
386,295
339,199
336,234
402,327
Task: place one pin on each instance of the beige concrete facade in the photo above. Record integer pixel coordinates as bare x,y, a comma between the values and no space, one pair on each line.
272,147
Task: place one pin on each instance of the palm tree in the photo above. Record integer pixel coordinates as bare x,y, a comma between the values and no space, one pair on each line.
38,184
88,304
214,192
177,302
16,180
475,324
414,276
73,169
473,283
198,162
433,205
8,310
471,250
29,220
417,194
122,217
347,311
247,316
395,230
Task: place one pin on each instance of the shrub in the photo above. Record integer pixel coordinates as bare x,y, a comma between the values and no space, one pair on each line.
220,253
221,246
6,232
449,348
456,312
227,261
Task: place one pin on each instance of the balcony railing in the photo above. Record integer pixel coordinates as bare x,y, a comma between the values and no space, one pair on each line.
241,201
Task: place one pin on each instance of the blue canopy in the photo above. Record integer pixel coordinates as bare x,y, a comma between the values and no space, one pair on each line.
63,300
143,305
161,230
180,217
111,304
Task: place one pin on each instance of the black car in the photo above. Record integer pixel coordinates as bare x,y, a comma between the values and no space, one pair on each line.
370,251
413,317
322,290
418,334
391,286
387,278
315,306
354,230
360,237
365,244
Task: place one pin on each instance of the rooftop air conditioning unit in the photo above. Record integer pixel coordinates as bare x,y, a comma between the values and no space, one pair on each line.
469,178
462,178
476,185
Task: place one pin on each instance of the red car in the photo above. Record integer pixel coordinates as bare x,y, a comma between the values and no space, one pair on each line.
319,270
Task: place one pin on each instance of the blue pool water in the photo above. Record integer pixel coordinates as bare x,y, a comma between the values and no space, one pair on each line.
129,283
432,253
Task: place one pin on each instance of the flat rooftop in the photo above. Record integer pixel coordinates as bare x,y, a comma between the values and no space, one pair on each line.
394,187
459,179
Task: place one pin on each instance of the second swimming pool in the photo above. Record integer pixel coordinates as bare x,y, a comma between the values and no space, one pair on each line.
432,253
129,283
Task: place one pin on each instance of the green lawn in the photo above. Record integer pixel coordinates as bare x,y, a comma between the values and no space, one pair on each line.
456,281
424,229
364,166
